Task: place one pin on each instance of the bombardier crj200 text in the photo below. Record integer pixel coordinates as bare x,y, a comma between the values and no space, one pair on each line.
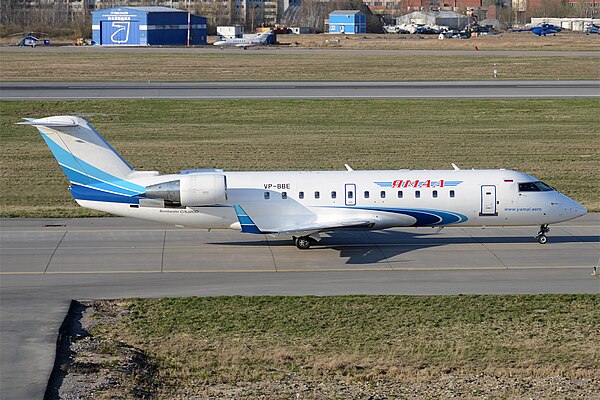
301,204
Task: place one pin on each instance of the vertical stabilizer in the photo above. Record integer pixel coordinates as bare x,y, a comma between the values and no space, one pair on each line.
96,171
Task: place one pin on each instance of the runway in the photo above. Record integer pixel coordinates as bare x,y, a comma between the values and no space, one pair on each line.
296,90
46,263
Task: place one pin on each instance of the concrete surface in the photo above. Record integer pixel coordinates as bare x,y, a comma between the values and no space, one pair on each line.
44,263
296,90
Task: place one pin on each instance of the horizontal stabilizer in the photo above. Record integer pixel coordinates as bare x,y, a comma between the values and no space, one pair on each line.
66,122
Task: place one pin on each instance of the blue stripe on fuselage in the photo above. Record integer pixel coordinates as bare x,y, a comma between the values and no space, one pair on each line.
86,193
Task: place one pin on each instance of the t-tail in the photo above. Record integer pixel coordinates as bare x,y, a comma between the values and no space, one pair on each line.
94,168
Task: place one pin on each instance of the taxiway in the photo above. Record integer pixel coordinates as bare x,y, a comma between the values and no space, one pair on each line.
44,263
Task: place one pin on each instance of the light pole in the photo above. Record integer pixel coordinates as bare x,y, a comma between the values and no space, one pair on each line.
189,30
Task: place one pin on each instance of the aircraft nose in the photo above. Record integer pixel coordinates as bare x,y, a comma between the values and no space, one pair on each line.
575,209
580,210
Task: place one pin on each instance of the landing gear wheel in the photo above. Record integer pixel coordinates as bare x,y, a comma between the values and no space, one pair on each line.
542,239
303,242
541,235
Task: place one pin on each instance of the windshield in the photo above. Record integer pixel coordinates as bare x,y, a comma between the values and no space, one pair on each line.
534,187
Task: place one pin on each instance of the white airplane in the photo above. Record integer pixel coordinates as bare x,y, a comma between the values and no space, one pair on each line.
243,42
298,204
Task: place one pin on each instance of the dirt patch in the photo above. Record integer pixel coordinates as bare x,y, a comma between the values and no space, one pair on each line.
88,366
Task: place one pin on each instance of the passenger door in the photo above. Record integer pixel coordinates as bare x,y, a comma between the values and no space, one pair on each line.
488,200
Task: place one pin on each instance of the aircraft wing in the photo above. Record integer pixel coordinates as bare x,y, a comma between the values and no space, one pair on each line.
327,227
248,225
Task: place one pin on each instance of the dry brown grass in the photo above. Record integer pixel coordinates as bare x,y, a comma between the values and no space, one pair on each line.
506,41
180,64
202,343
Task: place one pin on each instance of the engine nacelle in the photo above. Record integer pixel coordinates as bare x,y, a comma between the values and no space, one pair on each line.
191,190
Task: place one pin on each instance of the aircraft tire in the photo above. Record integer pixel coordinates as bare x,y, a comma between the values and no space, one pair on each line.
303,242
542,239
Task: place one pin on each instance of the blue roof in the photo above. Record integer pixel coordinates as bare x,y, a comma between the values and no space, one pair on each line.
153,9
345,12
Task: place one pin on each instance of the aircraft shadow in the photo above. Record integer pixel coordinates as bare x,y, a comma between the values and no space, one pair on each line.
377,246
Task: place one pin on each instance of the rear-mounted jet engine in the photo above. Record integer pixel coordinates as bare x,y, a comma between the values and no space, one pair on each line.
191,190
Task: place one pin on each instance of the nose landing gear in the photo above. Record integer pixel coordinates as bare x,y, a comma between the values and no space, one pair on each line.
541,235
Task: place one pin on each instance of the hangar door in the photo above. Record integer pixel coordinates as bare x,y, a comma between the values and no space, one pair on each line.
120,32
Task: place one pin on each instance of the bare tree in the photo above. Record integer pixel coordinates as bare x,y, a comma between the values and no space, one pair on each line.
312,14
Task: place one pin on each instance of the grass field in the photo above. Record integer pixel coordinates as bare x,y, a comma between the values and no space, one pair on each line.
554,140
197,344
181,64
566,41
174,65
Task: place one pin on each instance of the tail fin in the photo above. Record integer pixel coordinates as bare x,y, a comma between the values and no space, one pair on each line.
266,34
96,171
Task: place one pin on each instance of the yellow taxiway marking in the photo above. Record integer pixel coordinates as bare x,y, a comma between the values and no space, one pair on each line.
237,271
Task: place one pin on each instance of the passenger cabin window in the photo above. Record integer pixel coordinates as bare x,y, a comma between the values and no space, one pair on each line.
434,193
284,195
534,187
382,194
418,194
317,195
300,195
367,194
350,194
400,194
267,195
333,194
452,193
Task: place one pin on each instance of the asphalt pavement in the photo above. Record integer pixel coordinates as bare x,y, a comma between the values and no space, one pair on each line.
297,90
44,263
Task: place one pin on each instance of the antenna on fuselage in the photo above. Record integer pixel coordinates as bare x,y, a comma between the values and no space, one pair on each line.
349,168
455,167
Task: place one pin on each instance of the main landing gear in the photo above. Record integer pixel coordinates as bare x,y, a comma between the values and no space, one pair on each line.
541,235
303,242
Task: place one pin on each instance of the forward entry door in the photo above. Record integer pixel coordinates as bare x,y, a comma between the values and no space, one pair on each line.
488,200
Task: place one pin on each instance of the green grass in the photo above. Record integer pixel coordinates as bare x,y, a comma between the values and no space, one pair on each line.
197,342
556,140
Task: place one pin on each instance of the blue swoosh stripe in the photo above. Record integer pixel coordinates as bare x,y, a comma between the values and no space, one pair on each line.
423,217
77,177
76,164
85,193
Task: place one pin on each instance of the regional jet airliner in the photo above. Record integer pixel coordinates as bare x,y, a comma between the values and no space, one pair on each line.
301,204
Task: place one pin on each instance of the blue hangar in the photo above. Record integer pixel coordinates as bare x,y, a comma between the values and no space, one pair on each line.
146,26
347,21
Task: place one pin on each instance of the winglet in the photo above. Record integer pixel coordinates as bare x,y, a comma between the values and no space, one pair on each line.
248,226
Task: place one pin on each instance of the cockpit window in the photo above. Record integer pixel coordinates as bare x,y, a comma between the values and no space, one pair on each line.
534,187
543,187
